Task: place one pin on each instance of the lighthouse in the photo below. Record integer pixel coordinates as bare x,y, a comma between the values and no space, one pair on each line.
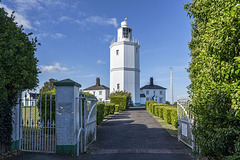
124,63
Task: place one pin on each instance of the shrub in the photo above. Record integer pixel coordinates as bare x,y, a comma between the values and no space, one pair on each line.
110,107
116,107
156,110
122,101
174,117
106,110
100,112
160,110
167,114
47,112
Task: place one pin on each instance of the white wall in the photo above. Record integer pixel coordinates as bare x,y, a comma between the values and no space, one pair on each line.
101,97
160,98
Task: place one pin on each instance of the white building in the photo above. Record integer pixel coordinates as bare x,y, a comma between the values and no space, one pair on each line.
153,92
124,64
101,92
30,99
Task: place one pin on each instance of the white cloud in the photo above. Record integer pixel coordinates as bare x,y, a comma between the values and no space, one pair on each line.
107,38
53,68
102,21
100,62
37,23
58,35
65,18
20,19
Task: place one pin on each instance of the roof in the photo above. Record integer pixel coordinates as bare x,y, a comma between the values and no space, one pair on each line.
142,95
96,87
152,87
67,82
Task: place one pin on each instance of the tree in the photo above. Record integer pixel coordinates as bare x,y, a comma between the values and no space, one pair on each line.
18,69
214,71
167,102
48,86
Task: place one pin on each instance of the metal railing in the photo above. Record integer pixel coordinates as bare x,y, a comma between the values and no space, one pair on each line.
185,122
87,120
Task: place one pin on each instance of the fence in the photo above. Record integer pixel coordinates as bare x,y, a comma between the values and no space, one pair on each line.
37,125
87,130
185,122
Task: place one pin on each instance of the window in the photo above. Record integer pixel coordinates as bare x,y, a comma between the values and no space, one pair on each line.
126,32
147,99
161,100
147,92
100,92
161,92
118,86
100,99
117,52
154,92
94,92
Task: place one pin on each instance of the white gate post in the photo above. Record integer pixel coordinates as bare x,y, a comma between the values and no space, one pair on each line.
67,116
16,136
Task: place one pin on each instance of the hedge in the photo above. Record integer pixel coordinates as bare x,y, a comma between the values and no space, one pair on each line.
164,111
100,112
122,101
110,107
116,107
174,117
42,113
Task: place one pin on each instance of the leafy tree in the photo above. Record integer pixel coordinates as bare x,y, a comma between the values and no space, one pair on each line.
18,69
167,102
215,78
48,86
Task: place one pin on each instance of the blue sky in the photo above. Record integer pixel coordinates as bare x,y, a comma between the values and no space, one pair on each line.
75,36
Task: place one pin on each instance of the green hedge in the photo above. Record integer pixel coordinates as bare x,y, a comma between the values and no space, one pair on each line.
100,112
174,117
122,101
116,107
167,114
110,107
47,112
164,111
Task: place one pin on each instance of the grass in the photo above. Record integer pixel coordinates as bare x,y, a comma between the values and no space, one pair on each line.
171,129
30,110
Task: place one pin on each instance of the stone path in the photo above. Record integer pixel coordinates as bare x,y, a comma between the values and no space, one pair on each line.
132,134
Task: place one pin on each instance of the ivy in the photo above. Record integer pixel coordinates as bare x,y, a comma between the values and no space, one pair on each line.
18,69
214,71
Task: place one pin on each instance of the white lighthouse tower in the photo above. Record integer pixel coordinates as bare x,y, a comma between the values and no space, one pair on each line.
124,64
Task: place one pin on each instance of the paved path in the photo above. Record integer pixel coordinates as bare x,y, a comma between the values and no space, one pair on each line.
132,134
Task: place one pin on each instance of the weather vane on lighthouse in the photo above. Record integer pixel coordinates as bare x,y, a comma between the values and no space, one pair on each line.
125,19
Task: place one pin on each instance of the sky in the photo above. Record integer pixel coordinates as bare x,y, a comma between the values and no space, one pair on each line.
75,36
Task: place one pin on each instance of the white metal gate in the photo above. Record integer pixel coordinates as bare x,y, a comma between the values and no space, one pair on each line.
37,123
185,122
88,123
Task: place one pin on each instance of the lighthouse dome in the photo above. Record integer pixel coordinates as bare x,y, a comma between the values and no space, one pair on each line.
124,24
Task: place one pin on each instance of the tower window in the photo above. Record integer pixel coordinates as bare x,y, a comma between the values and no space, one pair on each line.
100,92
117,52
118,86
126,32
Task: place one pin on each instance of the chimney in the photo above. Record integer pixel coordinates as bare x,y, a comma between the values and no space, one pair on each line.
151,81
97,81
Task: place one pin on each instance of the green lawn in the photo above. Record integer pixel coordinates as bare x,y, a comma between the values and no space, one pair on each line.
171,129
29,111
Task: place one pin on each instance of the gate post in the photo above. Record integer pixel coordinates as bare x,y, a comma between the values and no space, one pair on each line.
16,134
67,116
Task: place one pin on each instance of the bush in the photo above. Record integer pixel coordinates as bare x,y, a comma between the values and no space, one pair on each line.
167,114
110,107
160,110
156,110
47,112
100,112
174,117
116,107
122,101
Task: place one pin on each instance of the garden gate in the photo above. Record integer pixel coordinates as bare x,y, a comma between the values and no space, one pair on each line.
37,123
88,122
185,122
